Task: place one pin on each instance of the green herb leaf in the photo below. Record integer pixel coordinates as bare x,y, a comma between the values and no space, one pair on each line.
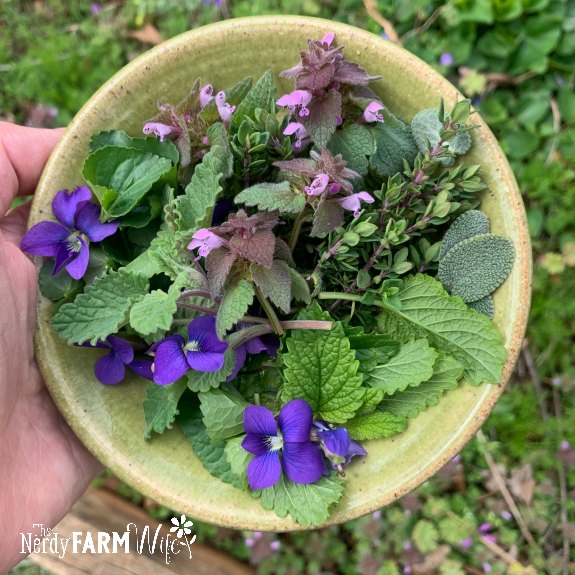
223,162
299,287
206,380
238,459
262,95
355,143
121,177
234,305
375,425
102,309
409,403
309,505
321,368
427,310
275,283
161,406
425,536
412,365
60,286
372,398
223,413
270,196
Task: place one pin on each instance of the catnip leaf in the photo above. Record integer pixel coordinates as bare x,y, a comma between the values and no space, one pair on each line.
201,381
372,349
375,425
409,403
412,365
238,459
166,149
234,305
156,310
121,177
393,144
321,368
161,406
223,413
145,265
262,95
372,398
454,329
299,287
102,309
211,454
275,283
309,505
270,196
355,143
321,123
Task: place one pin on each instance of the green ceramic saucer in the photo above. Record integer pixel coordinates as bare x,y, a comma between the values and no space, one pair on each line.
109,419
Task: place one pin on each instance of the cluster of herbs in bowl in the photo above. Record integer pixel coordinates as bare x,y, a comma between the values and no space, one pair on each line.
293,275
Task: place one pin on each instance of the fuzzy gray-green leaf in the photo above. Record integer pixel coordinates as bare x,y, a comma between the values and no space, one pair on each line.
272,196
234,305
469,224
355,144
275,283
484,306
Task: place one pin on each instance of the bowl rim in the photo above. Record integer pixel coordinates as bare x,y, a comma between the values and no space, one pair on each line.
523,261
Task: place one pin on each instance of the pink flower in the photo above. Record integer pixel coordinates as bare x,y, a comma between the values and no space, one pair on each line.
328,38
206,241
372,114
296,99
318,186
206,95
353,202
224,108
160,130
299,130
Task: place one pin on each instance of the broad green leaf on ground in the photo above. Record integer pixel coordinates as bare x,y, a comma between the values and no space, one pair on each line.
322,369
211,454
309,505
161,406
425,535
454,329
262,95
238,459
194,209
234,305
205,380
355,143
156,310
102,309
412,365
272,196
223,413
409,403
121,177
274,283
375,425
119,138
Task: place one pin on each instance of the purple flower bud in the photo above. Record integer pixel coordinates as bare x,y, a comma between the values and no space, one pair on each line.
466,543
487,567
376,515
372,112
206,141
485,528
318,186
338,120
257,534
407,569
328,38
565,445
446,59
224,109
275,545
490,538
250,542
506,515
206,241
206,95
95,8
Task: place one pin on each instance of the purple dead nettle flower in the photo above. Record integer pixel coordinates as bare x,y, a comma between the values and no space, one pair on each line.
300,132
206,95
203,351
328,39
290,435
296,101
372,112
318,186
206,241
353,202
446,59
111,368
224,108
160,130
68,241
336,444
466,543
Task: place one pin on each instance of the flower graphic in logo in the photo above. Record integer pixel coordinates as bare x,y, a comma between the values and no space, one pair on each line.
182,526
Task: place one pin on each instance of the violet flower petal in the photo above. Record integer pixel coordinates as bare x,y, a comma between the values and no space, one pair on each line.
121,347
201,326
78,266
354,449
66,203
302,462
88,222
264,470
110,369
259,420
295,420
44,239
336,441
64,256
241,354
256,444
142,368
170,360
205,360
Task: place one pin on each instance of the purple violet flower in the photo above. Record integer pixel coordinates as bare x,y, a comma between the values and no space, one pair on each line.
68,241
318,186
159,130
446,59
300,459
224,109
353,202
202,352
270,344
296,99
337,445
206,95
300,132
372,112
206,241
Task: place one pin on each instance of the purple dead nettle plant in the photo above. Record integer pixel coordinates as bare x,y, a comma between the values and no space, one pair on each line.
68,239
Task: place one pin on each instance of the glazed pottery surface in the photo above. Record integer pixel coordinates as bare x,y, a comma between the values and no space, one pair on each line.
109,419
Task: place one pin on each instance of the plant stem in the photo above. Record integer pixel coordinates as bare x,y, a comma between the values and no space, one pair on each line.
269,311
296,228
331,295
248,333
200,308
195,293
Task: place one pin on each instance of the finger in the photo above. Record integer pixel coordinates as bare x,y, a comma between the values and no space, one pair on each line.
23,154
13,225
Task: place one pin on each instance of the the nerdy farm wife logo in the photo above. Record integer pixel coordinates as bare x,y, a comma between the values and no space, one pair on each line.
134,540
